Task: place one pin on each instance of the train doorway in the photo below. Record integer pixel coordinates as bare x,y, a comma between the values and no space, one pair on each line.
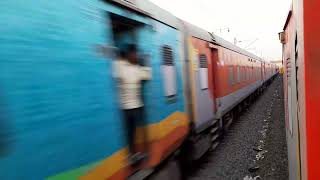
215,60
124,30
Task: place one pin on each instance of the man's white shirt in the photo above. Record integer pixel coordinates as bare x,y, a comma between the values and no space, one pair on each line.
130,78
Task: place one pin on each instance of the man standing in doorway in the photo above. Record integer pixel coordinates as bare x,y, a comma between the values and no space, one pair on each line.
130,75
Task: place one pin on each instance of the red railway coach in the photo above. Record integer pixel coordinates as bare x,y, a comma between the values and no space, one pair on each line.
237,75
221,76
301,45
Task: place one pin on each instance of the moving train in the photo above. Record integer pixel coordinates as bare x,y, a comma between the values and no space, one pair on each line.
301,48
60,115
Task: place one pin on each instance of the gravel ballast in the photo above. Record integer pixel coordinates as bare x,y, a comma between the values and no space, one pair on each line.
255,145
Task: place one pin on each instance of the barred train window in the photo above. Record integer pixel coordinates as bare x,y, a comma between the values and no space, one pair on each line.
203,71
247,75
169,71
238,74
252,73
231,76
243,74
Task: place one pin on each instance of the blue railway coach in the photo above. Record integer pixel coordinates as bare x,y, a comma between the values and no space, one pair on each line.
59,103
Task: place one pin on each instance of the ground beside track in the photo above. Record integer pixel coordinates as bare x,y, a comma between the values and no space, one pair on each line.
261,124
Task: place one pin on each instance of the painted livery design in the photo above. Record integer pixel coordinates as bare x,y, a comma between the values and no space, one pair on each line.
59,103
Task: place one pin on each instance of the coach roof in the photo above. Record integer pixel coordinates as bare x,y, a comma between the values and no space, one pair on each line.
147,8
198,32
219,41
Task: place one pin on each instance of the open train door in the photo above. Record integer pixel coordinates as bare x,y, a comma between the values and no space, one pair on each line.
214,57
214,84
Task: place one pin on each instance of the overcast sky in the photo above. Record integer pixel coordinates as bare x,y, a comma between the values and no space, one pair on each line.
248,20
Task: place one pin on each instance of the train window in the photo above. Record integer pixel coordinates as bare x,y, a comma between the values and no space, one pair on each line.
252,74
244,77
231,76
259,72
203,71
203,61
243,74
246,73
169,72
167,56
238,74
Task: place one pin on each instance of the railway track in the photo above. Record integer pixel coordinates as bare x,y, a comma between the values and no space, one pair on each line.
255,144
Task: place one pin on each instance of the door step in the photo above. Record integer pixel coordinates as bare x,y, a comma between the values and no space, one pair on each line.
214,145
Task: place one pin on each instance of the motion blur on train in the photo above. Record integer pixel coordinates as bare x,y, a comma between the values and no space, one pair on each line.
301,48
61,117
